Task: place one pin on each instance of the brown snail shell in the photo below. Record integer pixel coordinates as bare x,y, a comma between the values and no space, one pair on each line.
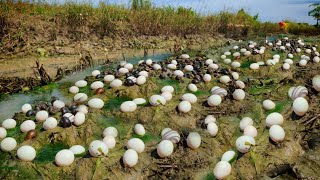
31,134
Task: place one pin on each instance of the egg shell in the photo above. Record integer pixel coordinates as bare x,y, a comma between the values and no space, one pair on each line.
240,84
3,132
246,121
172,66
268,104
81,83
188,68
96,85
254,66
165,148
250,131
214,100
26,153
235,75
194,140
300,106
108,78
27,126
82,108
274,118
77,150
26,107
209,61
192,88
8,144
95,73
185,56
167,96
212,128
111,131
144,73
184,106
303,62
98,148
289,61
316,59
80,97
136,144
189,97
169,89
223,56
64,157
222,169
141,80
244,143
276,133
128,66
69,116
9,123
42,116
207,78
227,61
148,62
128,106
239,94
228,156
123,70
58,104
210,118
219,91
139,129
110,141
156,67
156,100
95,103
130,158
79,118
116,83
213,66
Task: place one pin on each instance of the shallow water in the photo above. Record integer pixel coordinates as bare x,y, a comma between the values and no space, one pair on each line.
10,104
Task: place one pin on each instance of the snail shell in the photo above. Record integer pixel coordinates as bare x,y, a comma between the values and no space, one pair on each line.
296,92
219,91
172,136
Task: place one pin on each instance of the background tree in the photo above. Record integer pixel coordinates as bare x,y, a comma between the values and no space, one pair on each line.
315,12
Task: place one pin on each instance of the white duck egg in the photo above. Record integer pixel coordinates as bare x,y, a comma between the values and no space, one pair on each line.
80,97
289,61
26,153
42,116
129,66
209,119
111,131
316,83
254,66
300,106
303,62
172,66
209,61
96,85
82,108
277,133
189,97
95,73
167,89
74,89
207,78
136,144
227,61
139,129
228,156
139,101
144,73
50,123
64,157
3,132
244,143
98,148
156,100
108,78
9,123
165,148
27,126
316,59
141,80
167,96
268,104
69,116
239,94
240,84
149,62
185,56
77,150
116,83
212,128
213,66
26,107
79,118
184,106
178,73
81,83
214,100
130,158
223,56
128,106
224,79
95,103
235,64
123,70
156,67
274,118
245,122
110,141
222,169
192,88
250,131
235,75
188,68
194,140
236,54
8,144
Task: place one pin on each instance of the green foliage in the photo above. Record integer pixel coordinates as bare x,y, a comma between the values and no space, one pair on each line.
315,12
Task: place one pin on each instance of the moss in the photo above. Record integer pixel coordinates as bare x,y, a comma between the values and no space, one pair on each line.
48,152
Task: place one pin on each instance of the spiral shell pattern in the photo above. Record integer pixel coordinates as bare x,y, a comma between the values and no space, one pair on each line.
172,136
219,91
295,92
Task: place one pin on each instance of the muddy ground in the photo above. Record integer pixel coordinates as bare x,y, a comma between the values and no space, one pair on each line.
296,157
